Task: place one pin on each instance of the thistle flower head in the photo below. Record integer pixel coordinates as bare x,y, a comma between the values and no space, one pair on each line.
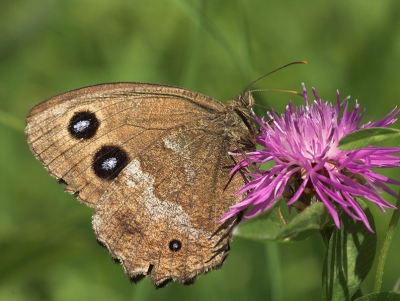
309,167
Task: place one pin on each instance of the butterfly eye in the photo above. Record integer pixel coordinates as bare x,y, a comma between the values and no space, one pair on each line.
109,161
175,245
83,125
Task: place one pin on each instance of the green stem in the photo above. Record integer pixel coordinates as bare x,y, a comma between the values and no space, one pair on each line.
274,269
326,234
385,247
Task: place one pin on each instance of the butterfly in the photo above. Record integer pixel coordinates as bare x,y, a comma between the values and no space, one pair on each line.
153,161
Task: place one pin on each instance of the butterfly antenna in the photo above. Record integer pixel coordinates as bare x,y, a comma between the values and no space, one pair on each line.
273,71
275,90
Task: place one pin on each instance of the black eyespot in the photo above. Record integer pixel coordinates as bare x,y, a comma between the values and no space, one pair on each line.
83,125
175,245
109,161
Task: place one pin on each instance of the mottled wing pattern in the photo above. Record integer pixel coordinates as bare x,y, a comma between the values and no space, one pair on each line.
153,161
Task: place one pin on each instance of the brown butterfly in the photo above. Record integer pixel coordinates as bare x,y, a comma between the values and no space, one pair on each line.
153,161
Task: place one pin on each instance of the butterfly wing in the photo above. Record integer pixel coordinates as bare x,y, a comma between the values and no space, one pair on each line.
153,161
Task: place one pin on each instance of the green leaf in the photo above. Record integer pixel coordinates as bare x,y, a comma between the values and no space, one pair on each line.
385,247
382,296
367,137
349,257
270,225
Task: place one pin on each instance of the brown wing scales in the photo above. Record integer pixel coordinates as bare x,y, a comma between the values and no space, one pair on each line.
152,160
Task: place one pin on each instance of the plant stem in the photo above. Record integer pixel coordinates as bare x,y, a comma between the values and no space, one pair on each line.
274,269
326,234
385,247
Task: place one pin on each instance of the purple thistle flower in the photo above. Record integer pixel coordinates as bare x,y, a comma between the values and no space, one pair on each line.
309,166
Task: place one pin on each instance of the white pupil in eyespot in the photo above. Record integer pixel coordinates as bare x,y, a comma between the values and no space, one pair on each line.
109,163
81,125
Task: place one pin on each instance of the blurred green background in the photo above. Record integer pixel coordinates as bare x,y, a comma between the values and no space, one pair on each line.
47,246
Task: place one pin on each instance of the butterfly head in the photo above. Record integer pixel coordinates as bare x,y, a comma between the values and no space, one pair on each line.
246,100
243,101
